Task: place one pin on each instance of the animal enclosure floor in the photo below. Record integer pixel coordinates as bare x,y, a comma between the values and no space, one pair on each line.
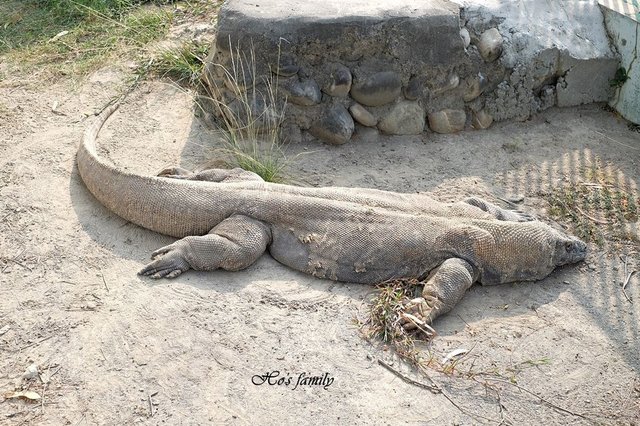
114,348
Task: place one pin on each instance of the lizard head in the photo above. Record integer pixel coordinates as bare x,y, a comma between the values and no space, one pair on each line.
568,250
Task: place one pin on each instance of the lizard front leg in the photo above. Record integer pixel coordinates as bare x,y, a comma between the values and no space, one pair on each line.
234,244
442,291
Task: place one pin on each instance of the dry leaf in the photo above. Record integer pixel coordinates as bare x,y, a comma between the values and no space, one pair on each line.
31,395
454,354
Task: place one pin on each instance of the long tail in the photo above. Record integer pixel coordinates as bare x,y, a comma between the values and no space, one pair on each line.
168,206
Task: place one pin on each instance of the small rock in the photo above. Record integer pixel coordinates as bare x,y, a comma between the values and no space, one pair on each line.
305,93
447,120
405,118
31,372
413,90
378,89
5,329
341,80
451,83
466,38
474,87
335,127
490,45
481,120
362,116
592,267
565,282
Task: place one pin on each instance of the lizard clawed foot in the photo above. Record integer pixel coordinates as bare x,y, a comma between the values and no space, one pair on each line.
168,262
175,173
520,216
418,315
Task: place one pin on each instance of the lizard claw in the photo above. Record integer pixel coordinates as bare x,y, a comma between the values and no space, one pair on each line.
175,173
417,315
168,262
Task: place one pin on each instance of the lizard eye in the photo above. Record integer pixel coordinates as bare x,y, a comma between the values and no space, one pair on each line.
568,246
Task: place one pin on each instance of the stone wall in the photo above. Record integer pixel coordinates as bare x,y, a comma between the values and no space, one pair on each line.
395,66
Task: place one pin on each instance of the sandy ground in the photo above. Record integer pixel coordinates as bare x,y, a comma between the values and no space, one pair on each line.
114,348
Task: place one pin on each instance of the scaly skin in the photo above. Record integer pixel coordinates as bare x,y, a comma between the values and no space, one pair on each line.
228,218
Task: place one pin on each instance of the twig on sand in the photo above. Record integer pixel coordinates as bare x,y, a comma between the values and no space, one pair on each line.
433,388
546,401
626,281
104,281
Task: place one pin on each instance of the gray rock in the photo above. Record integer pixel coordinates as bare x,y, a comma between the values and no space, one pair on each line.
474,87
305,92
490,45
404,118
340,83
466,38
481,120
413,90
362,116
377,89
447,120
335,127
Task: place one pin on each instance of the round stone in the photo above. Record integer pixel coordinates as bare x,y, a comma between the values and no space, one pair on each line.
413,90
466,37
481,120
474,87
335,127
377,89
490,45
447,120
452,81
404,118
305,92
340,83
362,116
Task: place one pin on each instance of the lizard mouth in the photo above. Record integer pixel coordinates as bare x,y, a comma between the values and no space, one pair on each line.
570,250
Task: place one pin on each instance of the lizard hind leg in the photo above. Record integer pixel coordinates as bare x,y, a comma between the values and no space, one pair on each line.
234,244
442,291
498,212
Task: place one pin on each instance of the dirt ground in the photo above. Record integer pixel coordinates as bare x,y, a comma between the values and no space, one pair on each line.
113,348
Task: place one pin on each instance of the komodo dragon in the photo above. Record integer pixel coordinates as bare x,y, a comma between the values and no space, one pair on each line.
228,218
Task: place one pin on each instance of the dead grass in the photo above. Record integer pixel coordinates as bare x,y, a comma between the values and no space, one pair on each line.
382,321
598,206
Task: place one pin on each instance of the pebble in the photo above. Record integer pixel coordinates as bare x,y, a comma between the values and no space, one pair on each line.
481,120
413,90
466,38
362,116
31,372
447,120
451,83
335,127
377,89
490,45
404,118
305,92
474,87
341,80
